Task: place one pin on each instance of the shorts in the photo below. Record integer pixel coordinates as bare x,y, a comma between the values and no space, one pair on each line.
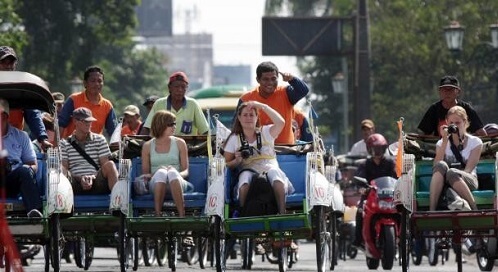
163,175
273,174
100,185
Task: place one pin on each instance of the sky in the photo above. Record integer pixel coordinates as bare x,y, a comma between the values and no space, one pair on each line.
236,29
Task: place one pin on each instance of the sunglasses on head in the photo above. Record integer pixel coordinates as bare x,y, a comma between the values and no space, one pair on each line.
171,124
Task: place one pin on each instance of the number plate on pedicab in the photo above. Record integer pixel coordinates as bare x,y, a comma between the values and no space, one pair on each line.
319,190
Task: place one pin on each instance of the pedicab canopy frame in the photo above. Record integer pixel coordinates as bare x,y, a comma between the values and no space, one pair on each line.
25,90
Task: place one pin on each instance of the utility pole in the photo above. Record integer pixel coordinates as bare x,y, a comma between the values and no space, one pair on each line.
362,96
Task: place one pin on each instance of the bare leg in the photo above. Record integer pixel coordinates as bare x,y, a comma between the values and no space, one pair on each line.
159,193
463,191
177,193
243,190
437,183
279,190
110,173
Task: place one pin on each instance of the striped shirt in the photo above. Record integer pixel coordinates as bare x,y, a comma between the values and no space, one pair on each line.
95,146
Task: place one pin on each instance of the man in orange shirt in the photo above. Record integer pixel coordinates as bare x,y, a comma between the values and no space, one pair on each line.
91,98
280,98
131,121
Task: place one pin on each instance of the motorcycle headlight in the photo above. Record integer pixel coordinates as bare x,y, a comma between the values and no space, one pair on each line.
386,205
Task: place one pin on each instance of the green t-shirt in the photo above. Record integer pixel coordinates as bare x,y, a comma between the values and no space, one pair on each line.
189,119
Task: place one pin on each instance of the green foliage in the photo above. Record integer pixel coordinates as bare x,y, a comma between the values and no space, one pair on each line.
408,57
11,30
58,39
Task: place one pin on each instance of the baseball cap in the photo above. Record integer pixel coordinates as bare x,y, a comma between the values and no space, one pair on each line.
132,110
7,51
83,114
150,99
449,81
367,123
178,76
4,104
58,97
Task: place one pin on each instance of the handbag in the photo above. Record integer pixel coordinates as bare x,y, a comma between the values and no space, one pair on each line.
140,185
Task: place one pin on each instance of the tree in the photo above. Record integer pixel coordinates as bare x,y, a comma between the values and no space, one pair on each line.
408,57
58,39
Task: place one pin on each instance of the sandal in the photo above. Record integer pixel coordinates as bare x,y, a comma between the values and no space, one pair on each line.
188,241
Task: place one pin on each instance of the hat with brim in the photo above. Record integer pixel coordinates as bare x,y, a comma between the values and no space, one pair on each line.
150,100
58,98
449,81
132,110
83,114
6,52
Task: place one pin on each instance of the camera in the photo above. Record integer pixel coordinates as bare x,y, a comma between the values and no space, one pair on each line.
246,150
452,129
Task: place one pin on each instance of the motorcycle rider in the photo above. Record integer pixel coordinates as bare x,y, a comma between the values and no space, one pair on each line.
375,166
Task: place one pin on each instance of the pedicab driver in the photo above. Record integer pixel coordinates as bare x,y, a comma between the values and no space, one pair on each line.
85,157
20,164
376,166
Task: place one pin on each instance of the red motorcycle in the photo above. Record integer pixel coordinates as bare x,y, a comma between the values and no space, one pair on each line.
381,223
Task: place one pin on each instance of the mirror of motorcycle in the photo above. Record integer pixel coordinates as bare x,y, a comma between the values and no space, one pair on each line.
361,180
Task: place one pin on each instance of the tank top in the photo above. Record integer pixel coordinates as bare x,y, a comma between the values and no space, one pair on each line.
164,159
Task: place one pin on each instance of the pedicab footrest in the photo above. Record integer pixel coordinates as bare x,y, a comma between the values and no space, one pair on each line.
270,223
168,224
455,220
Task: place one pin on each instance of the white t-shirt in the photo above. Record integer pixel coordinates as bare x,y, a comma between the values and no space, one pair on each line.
359,149
472,143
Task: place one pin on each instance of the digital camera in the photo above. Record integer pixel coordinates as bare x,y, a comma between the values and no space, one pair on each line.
246,150
452,129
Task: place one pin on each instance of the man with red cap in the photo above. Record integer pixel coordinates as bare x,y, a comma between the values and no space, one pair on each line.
189,117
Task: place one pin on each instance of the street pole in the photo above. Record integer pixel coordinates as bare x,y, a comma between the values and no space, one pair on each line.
361,109
345,102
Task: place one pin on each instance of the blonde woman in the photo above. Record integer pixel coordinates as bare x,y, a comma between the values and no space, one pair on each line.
165,162
447,168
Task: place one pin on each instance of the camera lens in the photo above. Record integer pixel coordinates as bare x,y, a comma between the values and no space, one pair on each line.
452,128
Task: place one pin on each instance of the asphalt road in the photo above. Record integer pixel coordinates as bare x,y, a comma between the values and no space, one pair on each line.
106,260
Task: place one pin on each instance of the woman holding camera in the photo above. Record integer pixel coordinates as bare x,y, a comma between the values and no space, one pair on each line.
251,146
457,155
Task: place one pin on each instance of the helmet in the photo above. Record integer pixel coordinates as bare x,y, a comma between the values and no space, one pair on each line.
491,129
376,144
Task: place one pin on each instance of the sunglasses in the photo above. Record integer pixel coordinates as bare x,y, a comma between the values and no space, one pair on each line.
171,124
84,121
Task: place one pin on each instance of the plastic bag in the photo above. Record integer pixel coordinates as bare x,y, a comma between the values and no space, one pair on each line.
141,185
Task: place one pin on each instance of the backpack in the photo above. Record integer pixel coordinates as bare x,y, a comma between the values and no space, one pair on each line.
260,198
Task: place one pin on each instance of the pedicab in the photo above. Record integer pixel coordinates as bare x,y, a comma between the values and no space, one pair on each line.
26,91
312,209
446,228
164,233
99,220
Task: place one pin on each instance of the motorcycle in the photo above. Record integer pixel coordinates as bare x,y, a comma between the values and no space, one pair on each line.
381,223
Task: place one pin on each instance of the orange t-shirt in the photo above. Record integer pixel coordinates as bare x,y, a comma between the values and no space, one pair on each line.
99,112
126,130
279,101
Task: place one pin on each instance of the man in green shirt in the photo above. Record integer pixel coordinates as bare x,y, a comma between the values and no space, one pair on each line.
189,117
